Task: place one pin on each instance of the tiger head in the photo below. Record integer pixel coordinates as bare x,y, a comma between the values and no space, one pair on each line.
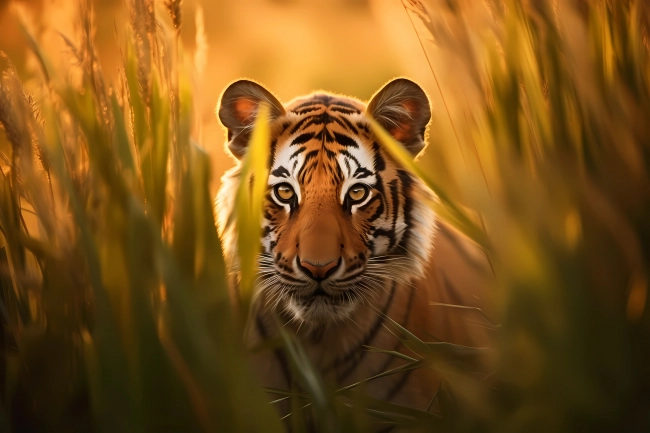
341,218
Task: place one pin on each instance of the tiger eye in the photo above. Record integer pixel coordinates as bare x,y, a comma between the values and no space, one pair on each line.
284,192
358,192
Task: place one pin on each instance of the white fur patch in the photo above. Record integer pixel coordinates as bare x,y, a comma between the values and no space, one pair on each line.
292,165
361,159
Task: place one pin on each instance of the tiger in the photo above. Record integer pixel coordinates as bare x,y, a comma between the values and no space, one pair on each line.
349,240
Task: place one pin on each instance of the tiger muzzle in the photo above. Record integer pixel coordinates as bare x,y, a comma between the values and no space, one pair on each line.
320,247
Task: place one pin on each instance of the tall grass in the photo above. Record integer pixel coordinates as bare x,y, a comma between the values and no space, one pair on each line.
553,161
116,312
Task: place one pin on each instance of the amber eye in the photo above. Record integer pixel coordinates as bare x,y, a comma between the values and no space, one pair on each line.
284,192
357,193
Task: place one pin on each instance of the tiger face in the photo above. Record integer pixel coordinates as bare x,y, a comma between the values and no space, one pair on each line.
341,217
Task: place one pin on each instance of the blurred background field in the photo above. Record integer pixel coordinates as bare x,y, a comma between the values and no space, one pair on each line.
115,309
292,47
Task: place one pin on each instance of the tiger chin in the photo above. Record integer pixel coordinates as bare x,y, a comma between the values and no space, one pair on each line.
347,237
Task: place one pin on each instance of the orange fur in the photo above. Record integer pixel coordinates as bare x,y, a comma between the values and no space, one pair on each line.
322,145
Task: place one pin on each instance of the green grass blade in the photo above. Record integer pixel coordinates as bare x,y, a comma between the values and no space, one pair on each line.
249,202
445,206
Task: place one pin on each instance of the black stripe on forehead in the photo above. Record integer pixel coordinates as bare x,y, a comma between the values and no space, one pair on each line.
330,153
312,160
361,172
339,121
302,138
281,172
302,123
343,110
310,155
314,119
309,109
351,107
324,136
324,109
297,152
317,113
347,166
346,124
363,127
349,156
306,165
316,102
345,141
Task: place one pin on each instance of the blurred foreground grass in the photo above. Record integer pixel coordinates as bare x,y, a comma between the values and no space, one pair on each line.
114,301
116,310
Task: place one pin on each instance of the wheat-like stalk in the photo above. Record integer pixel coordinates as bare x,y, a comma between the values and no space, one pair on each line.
174,7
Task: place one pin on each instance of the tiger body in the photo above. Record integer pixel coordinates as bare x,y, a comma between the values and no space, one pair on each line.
348,240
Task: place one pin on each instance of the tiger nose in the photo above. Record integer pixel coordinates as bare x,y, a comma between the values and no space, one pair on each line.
319,271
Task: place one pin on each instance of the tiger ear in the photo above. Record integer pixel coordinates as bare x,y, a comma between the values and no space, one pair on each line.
403,109
237,111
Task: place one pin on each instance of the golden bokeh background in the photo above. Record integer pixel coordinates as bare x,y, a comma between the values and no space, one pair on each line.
293,47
